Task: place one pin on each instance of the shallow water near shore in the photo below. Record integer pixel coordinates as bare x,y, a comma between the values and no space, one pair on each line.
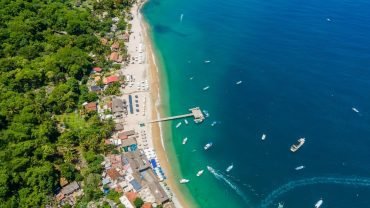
303,67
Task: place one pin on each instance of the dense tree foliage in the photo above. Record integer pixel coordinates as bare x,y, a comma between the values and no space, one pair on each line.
47,48
138,202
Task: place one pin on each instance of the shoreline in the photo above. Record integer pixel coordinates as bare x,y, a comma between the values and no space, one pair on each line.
157,132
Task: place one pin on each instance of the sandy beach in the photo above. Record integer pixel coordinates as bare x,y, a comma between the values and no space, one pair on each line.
148,70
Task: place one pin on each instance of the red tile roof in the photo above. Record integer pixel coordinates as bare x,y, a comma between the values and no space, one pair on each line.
114,56
111,79
113,174
147,205
97,69
91,107
122,136
109,104
115,45
131,196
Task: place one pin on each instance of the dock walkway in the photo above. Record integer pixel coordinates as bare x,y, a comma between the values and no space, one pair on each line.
195,112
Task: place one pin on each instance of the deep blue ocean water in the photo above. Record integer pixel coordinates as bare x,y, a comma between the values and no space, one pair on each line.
304,66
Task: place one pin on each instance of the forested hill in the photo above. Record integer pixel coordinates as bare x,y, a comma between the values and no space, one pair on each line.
47,49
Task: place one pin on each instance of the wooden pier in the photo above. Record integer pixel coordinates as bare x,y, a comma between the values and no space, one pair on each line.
195,112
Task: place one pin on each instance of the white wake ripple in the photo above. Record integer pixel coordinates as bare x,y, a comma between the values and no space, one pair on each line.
221,177
351,181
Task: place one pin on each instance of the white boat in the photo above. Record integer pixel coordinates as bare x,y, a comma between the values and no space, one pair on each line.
210,169
300,143
181,17
178,125
186,122
263,137
239,82
281,205
228,169
319,203
184,140
208,145
206,88
184,180
207,61
213,123
355,110
200,173
299,167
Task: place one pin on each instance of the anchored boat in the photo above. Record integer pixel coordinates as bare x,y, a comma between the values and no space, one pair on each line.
184,140
263,137
299,167
319,203
184,181
295,147
208,145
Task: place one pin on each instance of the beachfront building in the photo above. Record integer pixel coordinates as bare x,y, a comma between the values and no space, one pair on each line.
118,108
111,79
119,127
137,160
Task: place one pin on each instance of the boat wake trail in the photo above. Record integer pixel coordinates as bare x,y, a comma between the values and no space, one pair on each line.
221,177
352,181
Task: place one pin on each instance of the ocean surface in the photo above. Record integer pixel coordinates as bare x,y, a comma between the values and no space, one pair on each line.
303,65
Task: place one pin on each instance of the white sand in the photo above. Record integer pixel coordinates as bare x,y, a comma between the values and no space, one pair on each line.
146,74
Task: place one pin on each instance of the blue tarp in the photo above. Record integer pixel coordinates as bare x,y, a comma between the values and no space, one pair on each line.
130,104
136,185
154,163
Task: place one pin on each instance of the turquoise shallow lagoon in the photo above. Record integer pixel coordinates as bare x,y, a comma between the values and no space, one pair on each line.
303,67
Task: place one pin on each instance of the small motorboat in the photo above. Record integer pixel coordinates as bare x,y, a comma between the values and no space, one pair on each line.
200,173
228,169
205,88
299,167
208,145
182,181
184,140
319,203
263,137
355,110
178,125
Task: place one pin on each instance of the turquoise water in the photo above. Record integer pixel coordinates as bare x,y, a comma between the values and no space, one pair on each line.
304,66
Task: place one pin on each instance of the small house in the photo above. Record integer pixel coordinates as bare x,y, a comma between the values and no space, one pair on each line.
111,79
90,107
